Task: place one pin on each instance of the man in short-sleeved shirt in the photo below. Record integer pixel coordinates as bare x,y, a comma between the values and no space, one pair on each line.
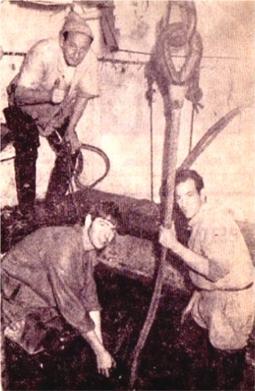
224,301
49,275
220,269
49,95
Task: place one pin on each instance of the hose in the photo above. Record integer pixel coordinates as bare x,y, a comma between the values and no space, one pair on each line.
80,165
79,168
168,74
172,130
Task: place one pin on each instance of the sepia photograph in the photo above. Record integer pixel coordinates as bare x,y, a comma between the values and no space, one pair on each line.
127,195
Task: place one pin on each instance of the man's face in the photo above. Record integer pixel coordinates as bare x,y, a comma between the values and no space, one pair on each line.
75,48
101,232
187,198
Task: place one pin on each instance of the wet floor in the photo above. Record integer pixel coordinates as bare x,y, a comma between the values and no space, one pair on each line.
125,303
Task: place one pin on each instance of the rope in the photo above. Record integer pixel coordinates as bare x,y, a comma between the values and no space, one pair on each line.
191,127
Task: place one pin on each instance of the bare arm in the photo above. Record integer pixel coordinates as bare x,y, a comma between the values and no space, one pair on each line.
214,264
96,317
195,261
29,96
66,286
104,360
79,107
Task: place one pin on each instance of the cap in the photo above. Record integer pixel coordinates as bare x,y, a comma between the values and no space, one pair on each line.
74,22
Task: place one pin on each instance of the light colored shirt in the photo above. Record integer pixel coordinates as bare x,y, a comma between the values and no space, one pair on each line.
216,236
43,66
221,304
45,63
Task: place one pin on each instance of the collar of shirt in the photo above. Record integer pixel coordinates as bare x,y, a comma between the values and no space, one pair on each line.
194,220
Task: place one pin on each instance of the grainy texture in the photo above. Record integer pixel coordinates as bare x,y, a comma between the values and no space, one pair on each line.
125,302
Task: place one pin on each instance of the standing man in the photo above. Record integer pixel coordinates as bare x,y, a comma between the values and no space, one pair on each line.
48,277
48,96
221,271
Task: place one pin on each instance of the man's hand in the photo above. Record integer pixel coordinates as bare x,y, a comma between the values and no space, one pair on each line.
104,363
72,138
58,92
167,238
189,307
57,95
104,360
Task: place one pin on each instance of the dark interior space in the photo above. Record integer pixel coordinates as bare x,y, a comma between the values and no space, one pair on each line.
71,364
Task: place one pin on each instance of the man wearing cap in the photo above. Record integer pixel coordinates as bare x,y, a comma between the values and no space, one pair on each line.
48,277
48,96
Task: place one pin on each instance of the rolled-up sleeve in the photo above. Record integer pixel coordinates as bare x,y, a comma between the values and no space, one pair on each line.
89,295
66,281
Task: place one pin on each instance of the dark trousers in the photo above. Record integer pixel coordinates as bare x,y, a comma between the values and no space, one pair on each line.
26,143
205,367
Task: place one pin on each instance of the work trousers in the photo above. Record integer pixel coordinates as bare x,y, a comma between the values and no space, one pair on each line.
26,143
205,367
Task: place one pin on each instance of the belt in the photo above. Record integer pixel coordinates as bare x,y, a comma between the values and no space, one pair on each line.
227,289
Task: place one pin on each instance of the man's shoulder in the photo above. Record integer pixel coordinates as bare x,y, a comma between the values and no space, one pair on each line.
62,241
45,47
217,220
61,230
56,233
217,213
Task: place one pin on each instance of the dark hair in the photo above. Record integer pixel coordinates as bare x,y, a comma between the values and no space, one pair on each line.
105,209
184,175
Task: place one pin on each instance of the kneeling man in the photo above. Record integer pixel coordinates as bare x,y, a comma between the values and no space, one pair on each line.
49,275
221,271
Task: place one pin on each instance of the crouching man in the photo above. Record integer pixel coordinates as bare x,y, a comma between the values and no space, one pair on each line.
221,270
49,275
